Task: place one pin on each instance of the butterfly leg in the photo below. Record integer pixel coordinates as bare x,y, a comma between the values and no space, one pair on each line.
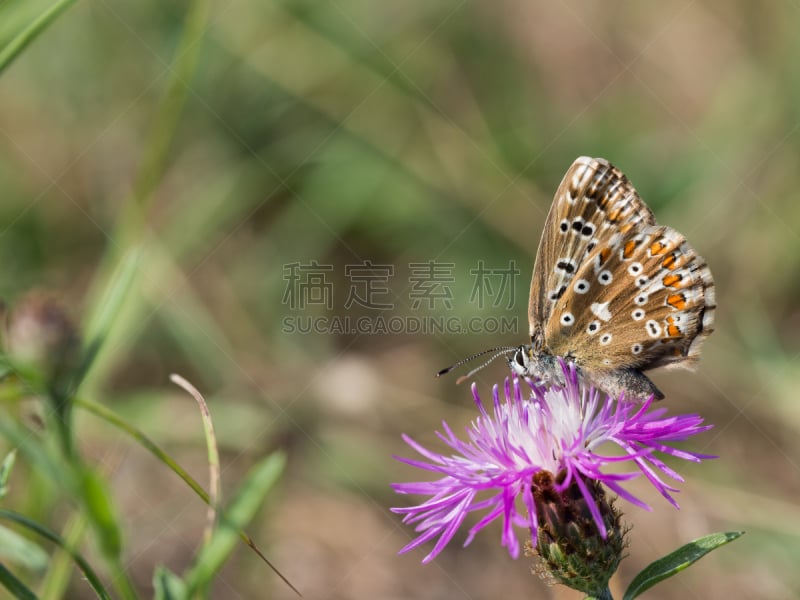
634,384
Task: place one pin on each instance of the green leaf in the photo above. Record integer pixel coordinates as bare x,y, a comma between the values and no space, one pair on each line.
5,368
41,530
104,312
167,585
156,155
117,421
101,512
35,452
677,561
242,509
31,32
21,551
5,472
14,585
59,573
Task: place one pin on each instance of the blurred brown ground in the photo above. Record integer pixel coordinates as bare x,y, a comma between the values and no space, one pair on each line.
346,131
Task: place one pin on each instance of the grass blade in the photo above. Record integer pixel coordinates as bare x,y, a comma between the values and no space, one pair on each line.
109,306
167,585
213,453
35,452
51,536
21,551
170,108
58,575
121,264
5,472
241,510
101,513
14,585
31,32
114,419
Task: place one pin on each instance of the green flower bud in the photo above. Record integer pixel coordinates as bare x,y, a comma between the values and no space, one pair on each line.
571,549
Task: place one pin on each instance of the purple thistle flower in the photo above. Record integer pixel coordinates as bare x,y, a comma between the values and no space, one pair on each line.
555,429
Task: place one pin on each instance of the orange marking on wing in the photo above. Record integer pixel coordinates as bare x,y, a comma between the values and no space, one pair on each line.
626,228
677,301
604,254
614,215
629,248
681,259
657,248
669,262
671,280
673,331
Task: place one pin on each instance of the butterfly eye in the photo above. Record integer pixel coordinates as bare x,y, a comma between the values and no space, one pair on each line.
519,359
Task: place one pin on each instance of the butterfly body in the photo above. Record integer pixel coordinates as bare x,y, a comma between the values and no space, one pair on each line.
612,291
545,368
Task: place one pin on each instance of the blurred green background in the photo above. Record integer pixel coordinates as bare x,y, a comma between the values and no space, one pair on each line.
338,132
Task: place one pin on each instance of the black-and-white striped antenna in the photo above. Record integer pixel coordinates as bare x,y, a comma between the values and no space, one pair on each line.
499,352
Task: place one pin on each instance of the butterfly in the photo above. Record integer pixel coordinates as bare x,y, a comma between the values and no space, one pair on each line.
613,292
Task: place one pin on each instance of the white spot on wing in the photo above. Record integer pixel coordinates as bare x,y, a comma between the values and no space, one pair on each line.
635,268
653,328
600,310
581,286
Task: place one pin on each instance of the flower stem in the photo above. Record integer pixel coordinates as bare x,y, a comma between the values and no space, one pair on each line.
603,595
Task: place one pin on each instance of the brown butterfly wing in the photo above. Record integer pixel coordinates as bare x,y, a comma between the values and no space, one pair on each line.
611,288
643,299
593,202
